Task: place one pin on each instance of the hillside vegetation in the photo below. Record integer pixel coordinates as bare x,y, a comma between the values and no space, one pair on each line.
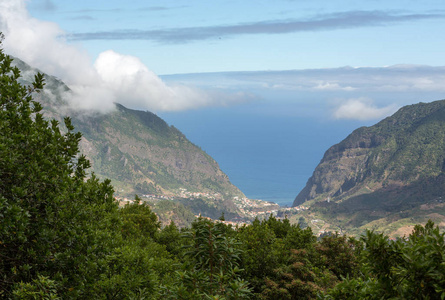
386,176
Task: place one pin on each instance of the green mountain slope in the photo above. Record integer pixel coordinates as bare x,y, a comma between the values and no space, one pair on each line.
386,176
137,150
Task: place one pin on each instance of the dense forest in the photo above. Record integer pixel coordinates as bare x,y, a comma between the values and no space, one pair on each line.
63,236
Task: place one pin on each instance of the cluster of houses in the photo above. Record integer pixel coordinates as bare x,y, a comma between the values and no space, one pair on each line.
253,208
250,208
183,193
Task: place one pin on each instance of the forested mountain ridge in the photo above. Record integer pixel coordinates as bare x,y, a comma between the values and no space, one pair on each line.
386,173
137,150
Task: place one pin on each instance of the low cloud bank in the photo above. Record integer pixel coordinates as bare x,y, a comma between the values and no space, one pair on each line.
113,77
397,78
362,109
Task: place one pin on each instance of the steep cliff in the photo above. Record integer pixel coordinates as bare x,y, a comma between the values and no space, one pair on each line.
137,150
394,166
140,150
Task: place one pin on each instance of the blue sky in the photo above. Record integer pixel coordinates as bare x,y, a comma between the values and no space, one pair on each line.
212,36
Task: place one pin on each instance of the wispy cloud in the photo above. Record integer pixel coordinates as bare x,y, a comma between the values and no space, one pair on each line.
332,86
88,10
362,109
154,8
335,21
83,18
119,10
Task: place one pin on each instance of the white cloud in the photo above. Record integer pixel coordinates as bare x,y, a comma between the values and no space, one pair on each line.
332,86
113,77
40,44
362,109
131,80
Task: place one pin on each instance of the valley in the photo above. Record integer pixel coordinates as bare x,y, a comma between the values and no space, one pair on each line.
377,178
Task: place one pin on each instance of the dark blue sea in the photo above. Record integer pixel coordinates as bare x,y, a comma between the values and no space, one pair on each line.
268,151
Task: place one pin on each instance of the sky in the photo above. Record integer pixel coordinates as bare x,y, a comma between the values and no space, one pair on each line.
330,65
124,51
212,36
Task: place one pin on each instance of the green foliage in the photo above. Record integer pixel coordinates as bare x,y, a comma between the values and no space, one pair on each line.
139,220
211,269
146,188
302,222
313,269
167,209
261,253
172,239
207,208
339,254
41,288
132,271
411,268
355,289
47,206
212,249
299,279
267,244
61,233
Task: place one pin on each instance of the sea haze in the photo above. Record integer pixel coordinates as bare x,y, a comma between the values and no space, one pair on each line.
266,153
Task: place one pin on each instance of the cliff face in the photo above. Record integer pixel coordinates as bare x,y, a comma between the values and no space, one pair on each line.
399,151
140,151
137,150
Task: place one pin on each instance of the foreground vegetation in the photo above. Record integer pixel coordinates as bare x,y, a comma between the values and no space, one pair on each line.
62,235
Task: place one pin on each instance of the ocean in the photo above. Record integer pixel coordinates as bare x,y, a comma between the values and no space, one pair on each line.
267,154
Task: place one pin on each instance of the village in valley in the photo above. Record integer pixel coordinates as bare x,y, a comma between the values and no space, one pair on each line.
249,208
